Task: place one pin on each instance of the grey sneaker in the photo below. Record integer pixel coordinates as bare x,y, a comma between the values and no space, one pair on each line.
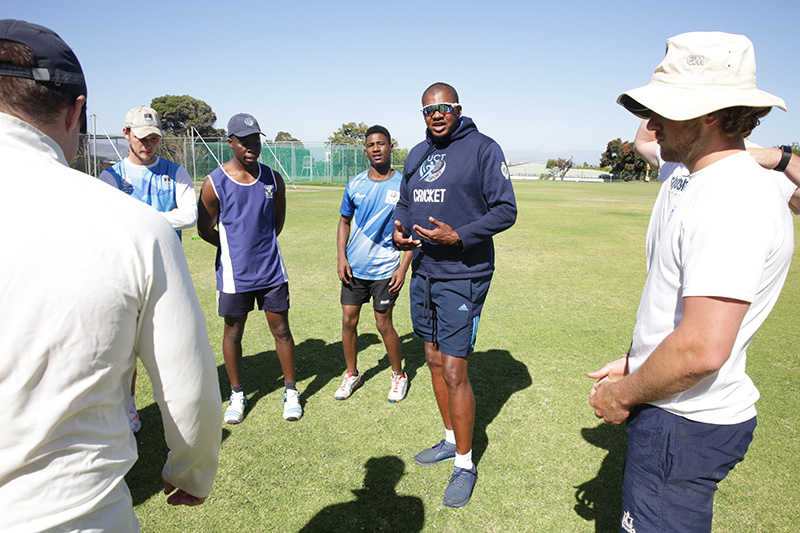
459,491
444,451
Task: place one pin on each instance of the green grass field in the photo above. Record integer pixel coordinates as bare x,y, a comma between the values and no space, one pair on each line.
563,302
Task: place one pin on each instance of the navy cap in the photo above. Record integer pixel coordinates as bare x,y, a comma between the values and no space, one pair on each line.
242,125
56,63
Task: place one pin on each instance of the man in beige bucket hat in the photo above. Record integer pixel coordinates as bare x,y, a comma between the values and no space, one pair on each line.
716,266
164,185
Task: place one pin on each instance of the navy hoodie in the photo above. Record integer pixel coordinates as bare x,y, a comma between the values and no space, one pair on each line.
464,182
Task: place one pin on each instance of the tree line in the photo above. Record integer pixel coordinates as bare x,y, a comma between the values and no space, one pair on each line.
179,114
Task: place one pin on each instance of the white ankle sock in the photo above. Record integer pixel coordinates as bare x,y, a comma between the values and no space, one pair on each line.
464,461
450,436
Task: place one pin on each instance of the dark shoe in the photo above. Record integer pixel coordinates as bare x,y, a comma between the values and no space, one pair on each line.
444,451
459,491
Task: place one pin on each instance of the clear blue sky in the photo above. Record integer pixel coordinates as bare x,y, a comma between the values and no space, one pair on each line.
533,75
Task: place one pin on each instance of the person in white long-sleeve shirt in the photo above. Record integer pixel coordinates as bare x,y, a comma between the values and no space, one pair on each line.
90,281
161,184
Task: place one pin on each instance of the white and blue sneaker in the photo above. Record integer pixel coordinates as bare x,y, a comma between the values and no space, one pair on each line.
235,411
292,410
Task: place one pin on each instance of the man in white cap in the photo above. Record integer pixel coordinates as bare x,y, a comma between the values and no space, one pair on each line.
159,183
91,283
717,262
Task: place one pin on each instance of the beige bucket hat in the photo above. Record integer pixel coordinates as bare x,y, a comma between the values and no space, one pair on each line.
701,72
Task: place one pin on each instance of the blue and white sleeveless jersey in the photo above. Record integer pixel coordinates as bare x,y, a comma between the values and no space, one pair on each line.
371,204
248,257
154,185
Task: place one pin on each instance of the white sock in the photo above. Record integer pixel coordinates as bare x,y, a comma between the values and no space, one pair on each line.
464,461
450,436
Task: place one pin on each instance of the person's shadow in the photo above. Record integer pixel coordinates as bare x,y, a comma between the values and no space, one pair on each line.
325,361
315,359
377,506
262,375
495,376
600,499
144,478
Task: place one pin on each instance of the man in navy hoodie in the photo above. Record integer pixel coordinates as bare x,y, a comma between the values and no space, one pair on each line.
456,194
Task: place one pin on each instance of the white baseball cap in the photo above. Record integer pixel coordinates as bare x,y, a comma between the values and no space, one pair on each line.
702,72
143,121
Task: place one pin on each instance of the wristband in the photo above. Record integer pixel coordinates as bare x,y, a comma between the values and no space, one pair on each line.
785,158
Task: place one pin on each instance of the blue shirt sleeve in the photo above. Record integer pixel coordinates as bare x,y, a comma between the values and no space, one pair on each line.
348,208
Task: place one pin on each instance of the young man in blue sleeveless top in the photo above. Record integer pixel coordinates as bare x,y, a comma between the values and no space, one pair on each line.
241,211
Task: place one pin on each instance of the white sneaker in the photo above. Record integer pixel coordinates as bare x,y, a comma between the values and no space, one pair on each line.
235,411
349,384
292,410
133,418
399,387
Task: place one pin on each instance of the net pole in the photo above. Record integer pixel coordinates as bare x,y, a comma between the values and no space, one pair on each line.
280,165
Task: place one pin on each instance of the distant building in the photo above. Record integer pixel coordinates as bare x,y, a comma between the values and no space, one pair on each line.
535,171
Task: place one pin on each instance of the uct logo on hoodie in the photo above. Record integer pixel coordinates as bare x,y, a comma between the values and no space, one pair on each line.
432,168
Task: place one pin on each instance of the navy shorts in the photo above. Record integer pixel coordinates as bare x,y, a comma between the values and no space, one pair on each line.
672,469
447,311
273,299
359,291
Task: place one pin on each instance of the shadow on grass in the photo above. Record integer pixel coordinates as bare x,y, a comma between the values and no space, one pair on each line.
144,479
377,506
261,375
495,375
600,499
317,359
325,361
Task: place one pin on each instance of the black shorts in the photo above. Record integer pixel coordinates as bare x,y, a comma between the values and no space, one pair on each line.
359,291
273,299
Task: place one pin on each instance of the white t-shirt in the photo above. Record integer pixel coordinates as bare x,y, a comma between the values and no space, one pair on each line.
674,177
730,236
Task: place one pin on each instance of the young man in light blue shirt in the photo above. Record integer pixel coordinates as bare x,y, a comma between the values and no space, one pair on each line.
368,263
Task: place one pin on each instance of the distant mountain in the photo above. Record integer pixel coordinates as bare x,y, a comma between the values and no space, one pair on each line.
535,156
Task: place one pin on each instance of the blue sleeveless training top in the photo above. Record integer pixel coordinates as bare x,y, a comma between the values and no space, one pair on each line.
248,257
